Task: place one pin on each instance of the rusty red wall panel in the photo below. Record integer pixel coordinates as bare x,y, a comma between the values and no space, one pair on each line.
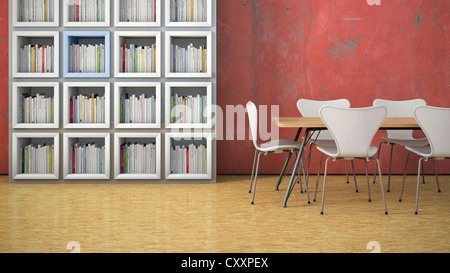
325,49
275,52
4,85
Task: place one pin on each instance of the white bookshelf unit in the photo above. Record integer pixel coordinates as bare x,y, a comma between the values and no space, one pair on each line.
105,118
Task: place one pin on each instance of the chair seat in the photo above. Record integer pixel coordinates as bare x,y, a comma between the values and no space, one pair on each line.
279,144
421,151
323,142
332,151
407,142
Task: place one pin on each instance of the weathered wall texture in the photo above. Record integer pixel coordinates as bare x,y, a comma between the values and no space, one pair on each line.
276,52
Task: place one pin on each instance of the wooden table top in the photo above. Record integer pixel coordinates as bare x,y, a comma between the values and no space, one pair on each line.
316,122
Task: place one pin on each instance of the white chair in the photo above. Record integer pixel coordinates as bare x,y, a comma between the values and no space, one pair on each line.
403,108
434,121
273,146
353,131
310,108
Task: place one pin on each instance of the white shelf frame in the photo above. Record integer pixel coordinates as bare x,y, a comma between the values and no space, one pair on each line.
208,22
66,22
118,91
136,34
194,136
117,23
17,23
16,145
16,102
188,34
132,176
66,107
67,154
168,92
34,34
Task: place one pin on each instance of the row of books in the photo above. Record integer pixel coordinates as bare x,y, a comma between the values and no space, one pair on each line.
137,11
87,109
35,10
188,159
137,108
189,59
138,158
87,158
86,11
188,109
138,59
36,158
87,58
36,58
188,10
36,109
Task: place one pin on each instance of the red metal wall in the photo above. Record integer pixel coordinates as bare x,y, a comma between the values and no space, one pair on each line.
276,52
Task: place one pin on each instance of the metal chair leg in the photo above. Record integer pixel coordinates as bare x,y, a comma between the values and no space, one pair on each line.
324,183
346,171
382,189
436,173
404,177
282,175
256,176
418,183
390,167
354,176
367,177
318,175
253,171
378,157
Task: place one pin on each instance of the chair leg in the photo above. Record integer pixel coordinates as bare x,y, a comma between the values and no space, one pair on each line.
253,171
354,176
390,168
318,175
324,183
378,157
256,176
404,177
382,189
367,177
346,171
436,173
418,183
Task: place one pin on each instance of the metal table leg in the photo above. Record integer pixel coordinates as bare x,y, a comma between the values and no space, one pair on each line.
291,182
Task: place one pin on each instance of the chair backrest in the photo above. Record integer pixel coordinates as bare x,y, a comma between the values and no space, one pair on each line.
403,108
253,121
353,129
435,122
310,108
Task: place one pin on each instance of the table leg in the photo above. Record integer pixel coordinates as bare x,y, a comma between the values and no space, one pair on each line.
280,178
291,182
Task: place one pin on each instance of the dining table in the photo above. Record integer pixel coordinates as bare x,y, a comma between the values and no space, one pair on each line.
314,124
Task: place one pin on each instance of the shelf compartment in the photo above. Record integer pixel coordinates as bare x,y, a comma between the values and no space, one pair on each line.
31,159
126,162
134,62
46,17
30,54
94,13
190,102
90,163
185,13
86,38
148,89
44,109
177,63
72,90
124,17
179,165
